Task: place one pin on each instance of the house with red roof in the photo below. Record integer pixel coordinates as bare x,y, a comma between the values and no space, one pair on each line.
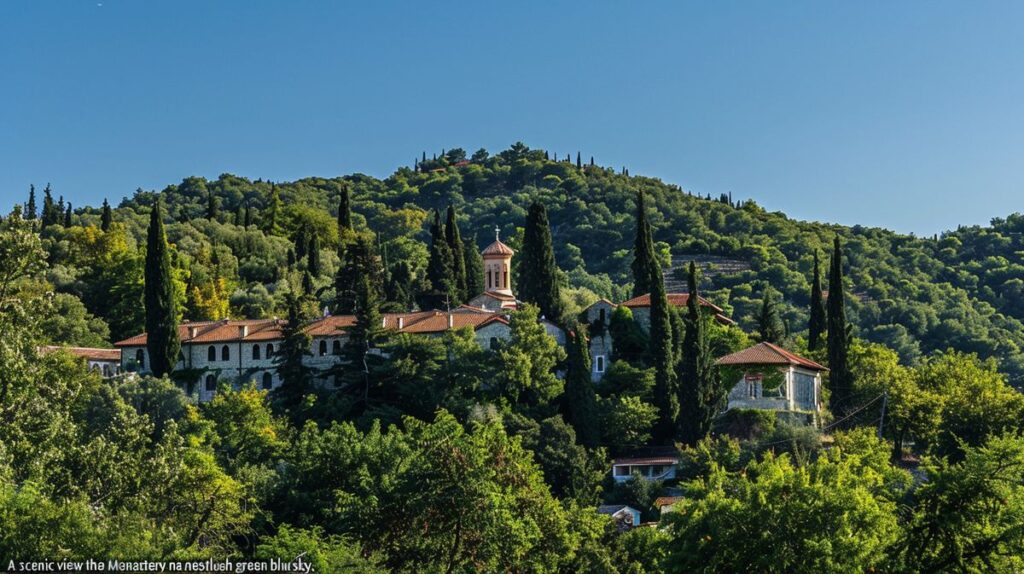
770,377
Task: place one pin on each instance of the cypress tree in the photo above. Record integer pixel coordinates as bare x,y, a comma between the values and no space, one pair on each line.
579,402
399,287
345,209
161,309
30,207
840,378
440,270
272,212
314,266
360,261
308,287
49,215
538,280
660,350
816,327
248,215
579,161
700,391
107,217
296,378
474,263
644,261
212,206
453,238
769,325
67,216
301,242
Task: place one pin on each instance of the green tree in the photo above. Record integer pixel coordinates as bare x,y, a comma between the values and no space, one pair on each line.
660,351
30,205
840,378
579,403
212,206
474,264
161,306
345,209
272,213
701,391
440,271
296,377
769,324
50,212
314,265
325,553
528,360
107,217
644,260
538,281
454,240
818,323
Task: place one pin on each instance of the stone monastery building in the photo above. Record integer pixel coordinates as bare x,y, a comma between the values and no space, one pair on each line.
244,350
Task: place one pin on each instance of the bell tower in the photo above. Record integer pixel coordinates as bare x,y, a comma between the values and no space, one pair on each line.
498,267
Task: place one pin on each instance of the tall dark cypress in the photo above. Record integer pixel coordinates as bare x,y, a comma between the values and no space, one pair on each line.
49,215
248,215
440,270
296,377
579,402
314,266
67,216
660,351
212,206
107,217
360,260
161,310
345,209
816,327
579,161
272,212
701,393
474,263
30,207
644,262
454,239
840,377
538,275
769,325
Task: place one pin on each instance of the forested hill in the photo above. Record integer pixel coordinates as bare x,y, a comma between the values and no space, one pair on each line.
964,289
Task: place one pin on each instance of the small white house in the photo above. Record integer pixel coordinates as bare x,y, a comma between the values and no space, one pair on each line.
625,517
650,467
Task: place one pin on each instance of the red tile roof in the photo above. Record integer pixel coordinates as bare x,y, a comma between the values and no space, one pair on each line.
497,248
222,331
666,501
768,354
86,352
679,300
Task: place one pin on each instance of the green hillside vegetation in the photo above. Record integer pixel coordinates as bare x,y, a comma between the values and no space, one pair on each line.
438,455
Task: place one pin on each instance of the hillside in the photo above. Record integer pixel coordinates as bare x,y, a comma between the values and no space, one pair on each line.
962,289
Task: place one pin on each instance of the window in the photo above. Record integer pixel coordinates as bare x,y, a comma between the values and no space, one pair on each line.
211,353
255,352
323,348
225,353
211,383
494,343
268,381
490,284
505,284
106,370
657,470
601,316
270,350
621,471
140,358
599,364
336,347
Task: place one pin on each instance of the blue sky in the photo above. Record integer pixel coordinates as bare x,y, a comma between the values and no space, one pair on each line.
907,115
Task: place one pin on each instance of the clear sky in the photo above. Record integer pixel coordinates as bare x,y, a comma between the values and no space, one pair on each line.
907,115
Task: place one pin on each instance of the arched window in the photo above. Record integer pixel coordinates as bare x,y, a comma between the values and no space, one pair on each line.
494,343
270,350
336,347
489,284
211,353
601,315
211,383
268,381
323,348
255,352
106,370
506,277
225,353
140,358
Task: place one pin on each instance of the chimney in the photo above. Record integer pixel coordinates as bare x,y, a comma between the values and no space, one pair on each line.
243,331
451,320
192,332
401,322
384,322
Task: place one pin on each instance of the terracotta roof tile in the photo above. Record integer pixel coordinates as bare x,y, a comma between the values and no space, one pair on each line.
497,248
768,354
679,300
86,352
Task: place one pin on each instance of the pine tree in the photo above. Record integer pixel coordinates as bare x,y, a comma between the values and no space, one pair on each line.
701,393
840,377
538,279
345,209
296,377
440,270
579,402
67,216
30,207
314,266
769,324
107,217
453,238
660,350
161,309
644,260
474,263
817,325
399,286
212,206
272,212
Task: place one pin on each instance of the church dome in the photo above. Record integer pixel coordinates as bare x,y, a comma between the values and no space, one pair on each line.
498,248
